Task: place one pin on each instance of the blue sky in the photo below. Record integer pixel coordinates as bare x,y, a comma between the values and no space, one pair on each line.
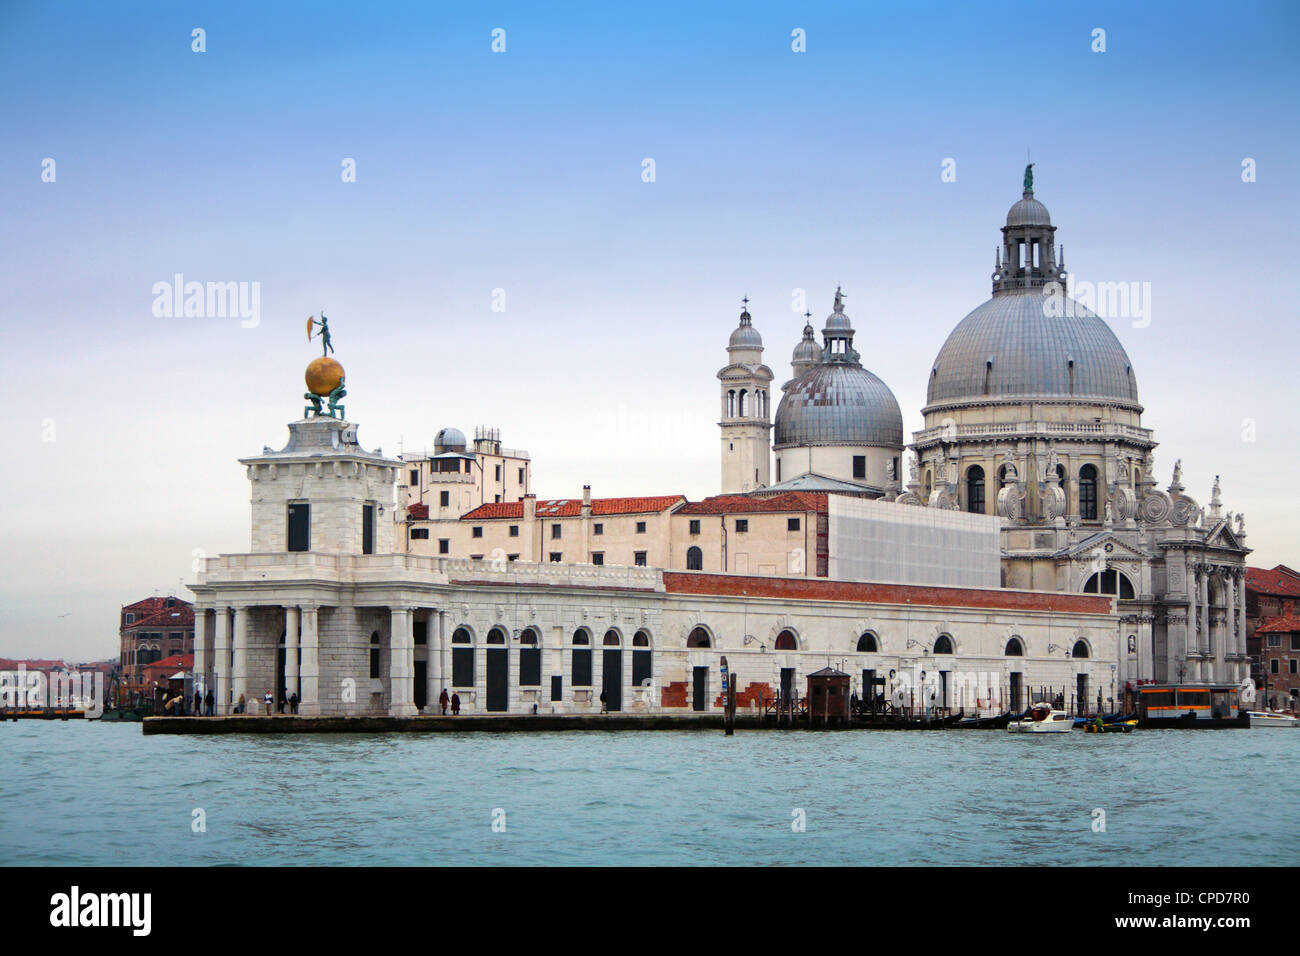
521,171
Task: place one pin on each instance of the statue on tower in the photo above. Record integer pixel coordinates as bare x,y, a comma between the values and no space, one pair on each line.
1029,178
325,376
839,300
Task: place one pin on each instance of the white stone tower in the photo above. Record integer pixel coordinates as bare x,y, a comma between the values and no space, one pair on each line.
746,411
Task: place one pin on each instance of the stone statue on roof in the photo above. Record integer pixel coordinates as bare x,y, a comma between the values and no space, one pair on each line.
1029,178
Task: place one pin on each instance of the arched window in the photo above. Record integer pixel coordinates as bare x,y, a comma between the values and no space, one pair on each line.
731,403
694,559
699,638
785,641
975,490
530,659
929,483
1088,493
496,636
642,661
943,645
1110,581
462,658
581,671
868,644
612,639
374,655
1080,649
744,402
1015,648
529,637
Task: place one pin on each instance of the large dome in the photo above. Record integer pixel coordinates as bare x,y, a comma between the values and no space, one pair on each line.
838,403
1012,347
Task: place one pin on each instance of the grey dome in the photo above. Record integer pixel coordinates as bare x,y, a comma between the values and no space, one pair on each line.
838,403
1028,211
449,439
1031,351
807,350
745,336
838,321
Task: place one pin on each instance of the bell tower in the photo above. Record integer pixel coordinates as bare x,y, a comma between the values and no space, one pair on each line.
746,411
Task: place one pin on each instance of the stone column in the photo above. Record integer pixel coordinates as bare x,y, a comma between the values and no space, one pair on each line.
433,663
1203,596
1188,651
291,620
401,700
309,672
201,651
221,661
1243,663
239,656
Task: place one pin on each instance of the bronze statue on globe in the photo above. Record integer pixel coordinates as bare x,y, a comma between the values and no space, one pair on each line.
325,376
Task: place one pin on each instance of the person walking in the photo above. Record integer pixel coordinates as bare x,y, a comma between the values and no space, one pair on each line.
455,704
268,700
293,703
198,704
242,706
211,701
604,704
443,701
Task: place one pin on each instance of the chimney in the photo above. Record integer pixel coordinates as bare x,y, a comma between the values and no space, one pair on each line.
530,507
586,501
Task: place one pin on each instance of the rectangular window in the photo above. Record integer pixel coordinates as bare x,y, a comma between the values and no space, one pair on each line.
512,557
514,531
1295,642
640,527
444,546
496,499
859,466
791,524
695,526
638,558
742,525
300,527
444,498
498,472
521,476
420,632
598,557
374,662
598,528
476,531
1275,640
476,557
415,477
555,532
1291,665
1273,665
556,557
462,667
778,470
130,619
367,529
420,533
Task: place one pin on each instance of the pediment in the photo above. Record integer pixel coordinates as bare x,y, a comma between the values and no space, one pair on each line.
1107,544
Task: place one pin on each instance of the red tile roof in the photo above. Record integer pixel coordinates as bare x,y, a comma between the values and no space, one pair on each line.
163,617
177,662
1279,625
572,507
1280,580
12,664
744,504
820,589
418,510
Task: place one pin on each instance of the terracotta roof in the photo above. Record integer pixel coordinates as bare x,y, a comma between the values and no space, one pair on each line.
183,610
744,504
418,510
1285,624
177,662
1280,580
12,664
572,507
821,589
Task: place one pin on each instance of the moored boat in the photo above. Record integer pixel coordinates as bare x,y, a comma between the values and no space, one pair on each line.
1270,718
1042,719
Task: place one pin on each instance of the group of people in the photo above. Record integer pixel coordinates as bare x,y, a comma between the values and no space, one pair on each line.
198,706
453,701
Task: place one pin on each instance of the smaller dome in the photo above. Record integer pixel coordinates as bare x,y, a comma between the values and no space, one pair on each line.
1028,211
745,336
807,350
449,439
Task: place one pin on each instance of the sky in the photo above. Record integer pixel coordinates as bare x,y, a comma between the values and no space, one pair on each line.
500,257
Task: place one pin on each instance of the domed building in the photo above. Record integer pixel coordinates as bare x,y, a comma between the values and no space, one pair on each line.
838,426
1032,413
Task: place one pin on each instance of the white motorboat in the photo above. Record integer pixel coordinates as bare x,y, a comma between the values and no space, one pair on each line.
1270,718
1043,719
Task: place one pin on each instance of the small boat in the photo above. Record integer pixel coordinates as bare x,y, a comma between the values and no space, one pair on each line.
998,722
1119,727
1271,718
1042,719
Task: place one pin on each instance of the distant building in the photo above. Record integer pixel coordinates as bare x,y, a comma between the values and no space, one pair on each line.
150,630
1273,633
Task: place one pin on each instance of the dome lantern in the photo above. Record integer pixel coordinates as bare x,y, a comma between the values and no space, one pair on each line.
1027,259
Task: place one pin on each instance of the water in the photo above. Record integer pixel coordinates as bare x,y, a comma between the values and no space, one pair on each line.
79,793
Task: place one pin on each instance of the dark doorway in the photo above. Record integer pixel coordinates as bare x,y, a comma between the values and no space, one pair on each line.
421,693
700,688
498,672
787,682
1081,693
612,678
1017,692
